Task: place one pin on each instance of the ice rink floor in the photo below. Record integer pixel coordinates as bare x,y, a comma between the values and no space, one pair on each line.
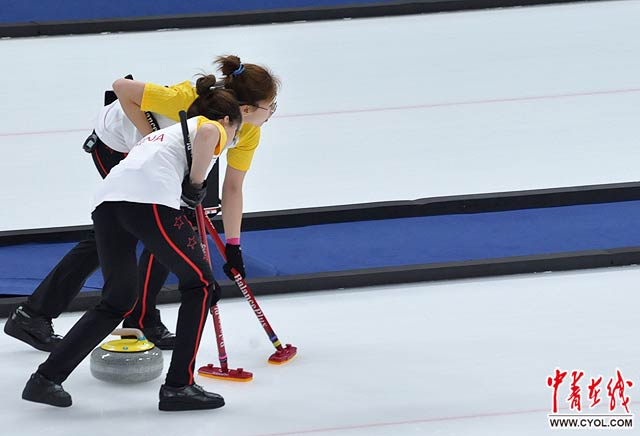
381,109
444,104
466,357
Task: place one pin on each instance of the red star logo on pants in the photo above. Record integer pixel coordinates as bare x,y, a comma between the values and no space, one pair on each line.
192,242
179,222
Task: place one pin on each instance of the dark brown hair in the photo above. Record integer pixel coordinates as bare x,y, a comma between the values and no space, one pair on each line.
251,83
214,102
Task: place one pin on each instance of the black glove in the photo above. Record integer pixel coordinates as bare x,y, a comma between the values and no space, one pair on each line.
234,260
193,195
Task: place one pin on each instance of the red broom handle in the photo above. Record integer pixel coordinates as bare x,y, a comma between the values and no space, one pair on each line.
215,313
244,288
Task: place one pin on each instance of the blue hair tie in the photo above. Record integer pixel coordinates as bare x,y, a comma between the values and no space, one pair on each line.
239,71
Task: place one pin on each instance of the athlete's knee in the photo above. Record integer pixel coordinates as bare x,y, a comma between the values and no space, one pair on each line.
210,289
118,308
195,280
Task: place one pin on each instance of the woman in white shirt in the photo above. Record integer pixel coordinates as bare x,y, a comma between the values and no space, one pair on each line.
113,137
140,201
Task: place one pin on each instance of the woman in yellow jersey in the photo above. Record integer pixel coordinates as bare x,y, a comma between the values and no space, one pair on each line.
113,137
256,89
140,200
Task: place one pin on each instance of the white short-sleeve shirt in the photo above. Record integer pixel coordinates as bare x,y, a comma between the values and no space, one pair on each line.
154,170
117,131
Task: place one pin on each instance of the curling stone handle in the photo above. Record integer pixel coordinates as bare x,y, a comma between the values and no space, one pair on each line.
128,332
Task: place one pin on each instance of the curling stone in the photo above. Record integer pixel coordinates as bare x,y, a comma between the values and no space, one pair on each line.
126,360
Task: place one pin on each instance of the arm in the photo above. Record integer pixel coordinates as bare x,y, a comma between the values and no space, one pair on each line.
232,220
203,151
129,94
232,202
238,162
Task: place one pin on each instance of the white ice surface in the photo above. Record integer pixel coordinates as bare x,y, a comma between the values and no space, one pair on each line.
467,357
370,110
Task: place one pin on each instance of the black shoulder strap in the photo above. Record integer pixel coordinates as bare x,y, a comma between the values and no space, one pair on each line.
186,138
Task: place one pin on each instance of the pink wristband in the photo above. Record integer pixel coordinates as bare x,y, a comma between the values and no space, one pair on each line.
233,241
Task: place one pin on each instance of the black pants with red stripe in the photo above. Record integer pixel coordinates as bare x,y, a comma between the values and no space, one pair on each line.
166,234
63,283
105,158
152,275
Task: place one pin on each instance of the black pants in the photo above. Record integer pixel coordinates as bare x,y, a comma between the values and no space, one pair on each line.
63,283
151,277
105,158
167,235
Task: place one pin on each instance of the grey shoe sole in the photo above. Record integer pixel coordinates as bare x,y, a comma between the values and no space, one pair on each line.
176,405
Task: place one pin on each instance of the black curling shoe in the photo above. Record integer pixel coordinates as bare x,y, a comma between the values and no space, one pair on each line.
35,330
189,397
155,332
160,336
40,389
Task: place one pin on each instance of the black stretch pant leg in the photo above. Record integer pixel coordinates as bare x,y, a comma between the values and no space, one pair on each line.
152,275
161,229
117,252
167,234
63,283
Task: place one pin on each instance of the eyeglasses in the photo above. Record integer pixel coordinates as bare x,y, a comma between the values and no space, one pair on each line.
272,107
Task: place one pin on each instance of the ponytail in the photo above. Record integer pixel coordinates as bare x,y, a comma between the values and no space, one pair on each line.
251,83
214,102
